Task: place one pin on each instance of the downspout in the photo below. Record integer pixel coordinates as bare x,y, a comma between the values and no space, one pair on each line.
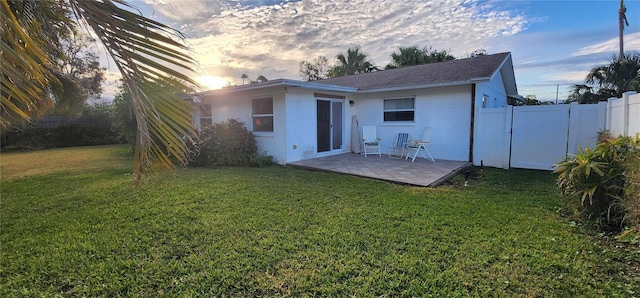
473,117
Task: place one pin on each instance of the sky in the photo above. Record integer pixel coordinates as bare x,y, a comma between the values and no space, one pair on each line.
553,43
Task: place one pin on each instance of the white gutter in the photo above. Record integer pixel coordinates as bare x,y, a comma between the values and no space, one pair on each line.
409,87
311,85
327,87
280,83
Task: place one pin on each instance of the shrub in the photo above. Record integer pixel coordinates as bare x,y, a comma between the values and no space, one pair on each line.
27,137
594,181
632,192
84,135
235,144
95,127
204,147
261,161
228,143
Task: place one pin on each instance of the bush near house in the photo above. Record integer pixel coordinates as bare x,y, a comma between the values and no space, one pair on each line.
601,185
228,143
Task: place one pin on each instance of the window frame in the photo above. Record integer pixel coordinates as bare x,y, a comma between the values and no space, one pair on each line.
385,110
209,116
485,101
255,115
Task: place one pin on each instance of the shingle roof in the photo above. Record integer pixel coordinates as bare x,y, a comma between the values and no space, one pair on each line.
459,70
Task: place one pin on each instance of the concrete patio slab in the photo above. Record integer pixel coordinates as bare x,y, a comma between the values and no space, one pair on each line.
422,172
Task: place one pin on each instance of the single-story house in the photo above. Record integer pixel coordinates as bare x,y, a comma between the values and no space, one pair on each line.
295,120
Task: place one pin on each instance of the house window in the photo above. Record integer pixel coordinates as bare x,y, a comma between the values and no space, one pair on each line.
205,115
262,114
399,109
485,101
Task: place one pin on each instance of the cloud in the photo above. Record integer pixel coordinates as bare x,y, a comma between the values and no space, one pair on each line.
271,39
631,42
186,11
564,56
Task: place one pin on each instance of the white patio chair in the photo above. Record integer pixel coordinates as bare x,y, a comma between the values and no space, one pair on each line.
400,145
370,142
420,145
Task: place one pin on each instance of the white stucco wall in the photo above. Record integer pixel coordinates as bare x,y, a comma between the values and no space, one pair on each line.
238,106
301,121
446,110
302,124
294,135
494,89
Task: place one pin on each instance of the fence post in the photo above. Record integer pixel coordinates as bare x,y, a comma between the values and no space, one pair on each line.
626,104
602,116
506,146
634,114
615,119
573,131
625,113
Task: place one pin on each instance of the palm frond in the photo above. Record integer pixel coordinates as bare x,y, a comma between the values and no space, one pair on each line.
25,74
156,69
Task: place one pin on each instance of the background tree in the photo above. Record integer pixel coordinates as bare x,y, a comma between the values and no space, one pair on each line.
530,100
318,69
80,65
408,56
606,81
244,76
478,52
258,79
354,62
124,118
152,58
261,79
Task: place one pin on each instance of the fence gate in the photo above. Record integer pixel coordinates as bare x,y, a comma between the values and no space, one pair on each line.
539,136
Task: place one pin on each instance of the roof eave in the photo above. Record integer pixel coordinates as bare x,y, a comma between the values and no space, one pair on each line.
508,75
424,86
325,87
279,83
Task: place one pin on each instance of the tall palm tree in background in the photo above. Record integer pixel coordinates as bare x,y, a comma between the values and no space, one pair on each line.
622,74
152,58
622,20
354,62
408,56
244,76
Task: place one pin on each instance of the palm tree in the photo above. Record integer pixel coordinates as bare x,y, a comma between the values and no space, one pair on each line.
622,20
408,56
606,81
152,58
354,62
244,76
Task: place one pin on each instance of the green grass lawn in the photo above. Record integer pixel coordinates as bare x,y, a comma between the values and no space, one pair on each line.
85,231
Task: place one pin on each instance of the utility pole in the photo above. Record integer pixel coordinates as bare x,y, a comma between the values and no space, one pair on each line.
622,20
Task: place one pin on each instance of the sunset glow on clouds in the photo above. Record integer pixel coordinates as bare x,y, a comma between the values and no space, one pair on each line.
547,39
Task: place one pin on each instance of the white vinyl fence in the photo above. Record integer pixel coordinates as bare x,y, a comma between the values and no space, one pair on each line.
538,137
623,115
